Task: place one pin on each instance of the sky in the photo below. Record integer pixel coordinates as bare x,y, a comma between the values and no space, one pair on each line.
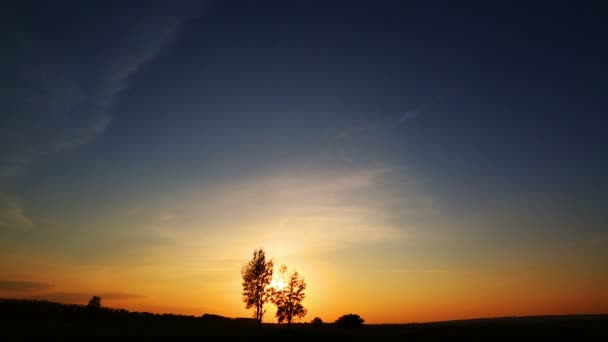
414,161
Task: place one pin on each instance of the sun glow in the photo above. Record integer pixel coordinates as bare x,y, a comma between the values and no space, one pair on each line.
277,283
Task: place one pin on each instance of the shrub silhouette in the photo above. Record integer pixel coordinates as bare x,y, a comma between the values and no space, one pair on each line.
317,322
95,303
257,275
350,321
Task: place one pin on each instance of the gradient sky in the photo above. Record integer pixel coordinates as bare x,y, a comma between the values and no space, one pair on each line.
415,161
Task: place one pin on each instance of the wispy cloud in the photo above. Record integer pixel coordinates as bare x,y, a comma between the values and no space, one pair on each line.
300,211
166,216
420,270
360,129
12,216
391,121
22,286
40,290
64,93
420,109
83,297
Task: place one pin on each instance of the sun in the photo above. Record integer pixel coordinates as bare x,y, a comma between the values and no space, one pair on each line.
277,283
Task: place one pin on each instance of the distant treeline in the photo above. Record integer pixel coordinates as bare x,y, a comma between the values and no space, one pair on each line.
23,309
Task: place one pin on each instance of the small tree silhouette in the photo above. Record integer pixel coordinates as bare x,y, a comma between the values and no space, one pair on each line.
350,321
317,322
95,303
289,298
257,274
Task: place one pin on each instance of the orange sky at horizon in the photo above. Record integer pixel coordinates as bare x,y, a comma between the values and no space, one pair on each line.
336,228
379,296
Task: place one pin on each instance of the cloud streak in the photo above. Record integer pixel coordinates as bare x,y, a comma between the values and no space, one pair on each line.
40,290
63,94
23,286
12,216
83,297
296,212
392,121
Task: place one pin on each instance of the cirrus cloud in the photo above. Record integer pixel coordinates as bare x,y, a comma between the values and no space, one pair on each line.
23,286
62,87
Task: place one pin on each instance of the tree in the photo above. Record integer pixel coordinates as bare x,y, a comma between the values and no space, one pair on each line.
289,297
95,302
350,321
257,274
317,322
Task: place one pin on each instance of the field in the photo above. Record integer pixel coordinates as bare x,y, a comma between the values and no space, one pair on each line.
25,318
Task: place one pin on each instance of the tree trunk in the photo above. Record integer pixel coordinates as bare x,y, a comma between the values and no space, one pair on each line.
258,317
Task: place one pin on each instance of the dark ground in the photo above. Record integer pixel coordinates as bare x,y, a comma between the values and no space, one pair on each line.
26,318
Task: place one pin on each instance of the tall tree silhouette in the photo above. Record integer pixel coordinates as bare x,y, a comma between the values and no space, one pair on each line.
257,274
288,298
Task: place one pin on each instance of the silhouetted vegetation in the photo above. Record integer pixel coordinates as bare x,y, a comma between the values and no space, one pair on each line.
289,299
95,303
20,319
317,322
350,321
257,275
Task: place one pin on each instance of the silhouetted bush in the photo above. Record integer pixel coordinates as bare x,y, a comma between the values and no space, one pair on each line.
350,321
95,303
317,322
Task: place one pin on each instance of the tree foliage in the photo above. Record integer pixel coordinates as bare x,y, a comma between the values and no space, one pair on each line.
257,275
350,321
288,299
317,322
